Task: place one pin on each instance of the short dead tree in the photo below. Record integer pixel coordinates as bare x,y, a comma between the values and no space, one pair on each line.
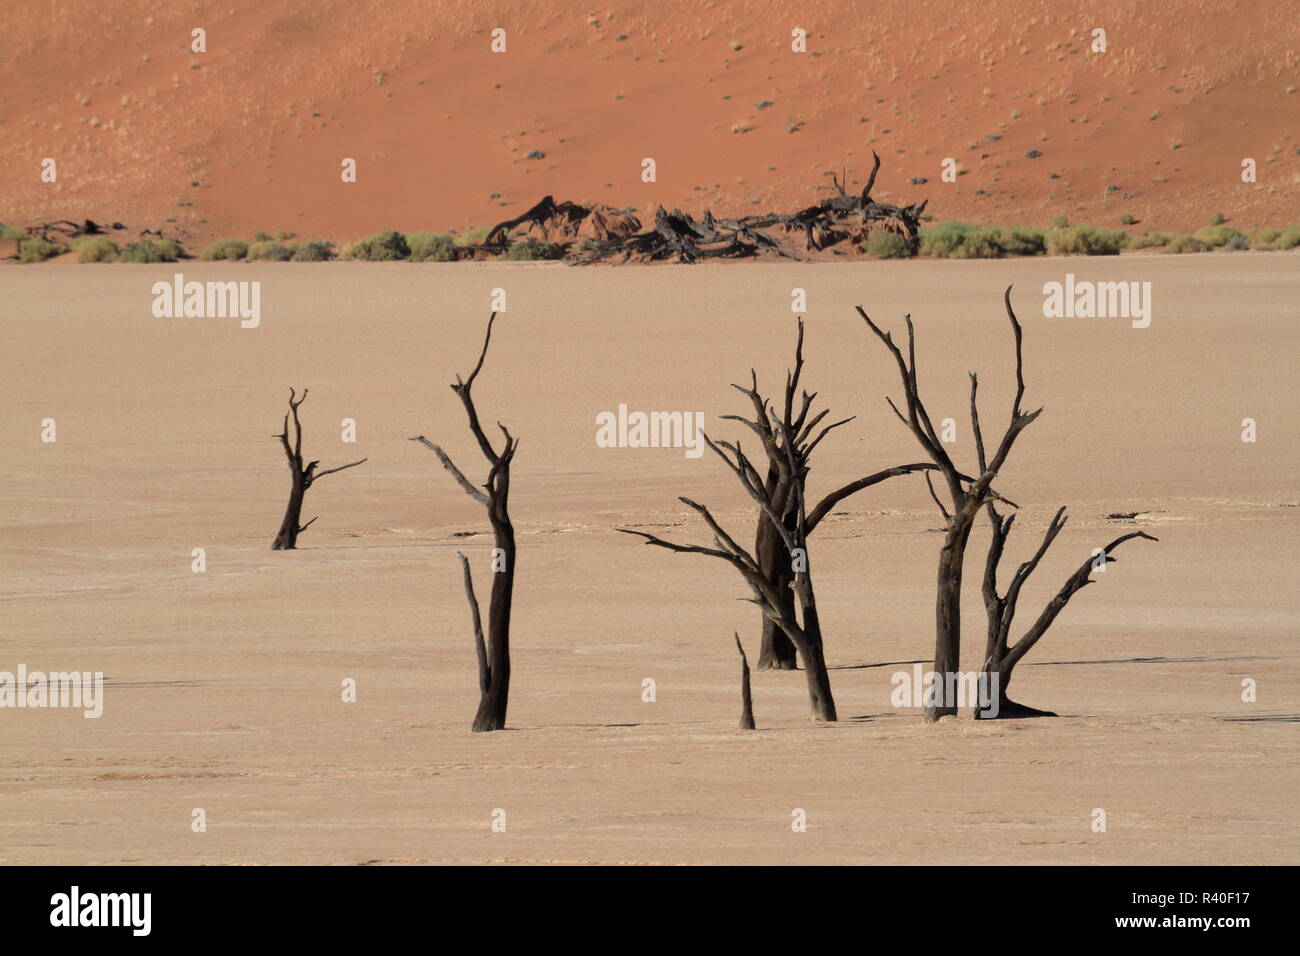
802,628
967,496
1000,656
494,656
776,652
303,477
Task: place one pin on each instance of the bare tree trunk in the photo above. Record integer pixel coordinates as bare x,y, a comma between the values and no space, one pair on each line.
746,698
494,658
287,537
491,714
947,641
812,648
776,651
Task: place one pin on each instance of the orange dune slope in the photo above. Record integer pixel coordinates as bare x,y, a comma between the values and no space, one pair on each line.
251,134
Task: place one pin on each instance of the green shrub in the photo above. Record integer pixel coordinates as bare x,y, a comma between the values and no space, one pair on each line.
1265,237
261,237
532,248
382,247
9,232
36,249
1182,244
1060,222
1085,241
226,249
1127,219
314,251
945,239
1217,219
432,247
269,250
959,240
152,250
94,248
473,236
1150,240
883,244
1022,240
1215,236
1289,239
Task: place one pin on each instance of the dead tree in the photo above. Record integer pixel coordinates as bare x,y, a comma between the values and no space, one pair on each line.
966,497
303,477
1000,656
804,628
823,224
746,698
776,652
494,658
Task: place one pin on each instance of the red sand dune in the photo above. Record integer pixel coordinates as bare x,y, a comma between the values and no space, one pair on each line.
250,134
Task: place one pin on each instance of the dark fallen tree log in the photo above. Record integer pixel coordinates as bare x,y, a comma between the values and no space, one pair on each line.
67,229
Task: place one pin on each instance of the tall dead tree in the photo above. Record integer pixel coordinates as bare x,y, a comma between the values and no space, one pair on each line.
303,477
966,497
776,652
494,657
1000,656
804,627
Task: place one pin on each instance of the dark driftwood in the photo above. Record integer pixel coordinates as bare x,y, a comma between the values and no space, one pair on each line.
679,237
966,497
746,697
303,477
494,658
68,229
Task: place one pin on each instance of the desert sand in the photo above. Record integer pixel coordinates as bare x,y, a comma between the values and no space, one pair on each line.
250,134
223,688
